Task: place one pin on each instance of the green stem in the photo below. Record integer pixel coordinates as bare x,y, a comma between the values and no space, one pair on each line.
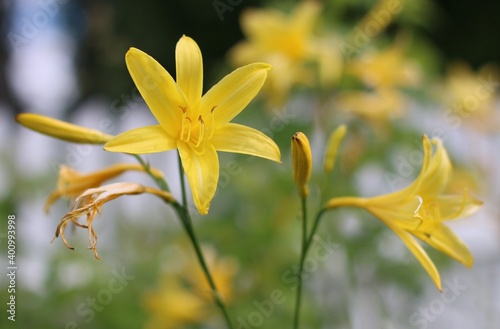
314,228
183,186
183,213
158,180
185,219
303,252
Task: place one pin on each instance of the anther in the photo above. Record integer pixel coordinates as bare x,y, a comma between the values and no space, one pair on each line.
189,129
212,125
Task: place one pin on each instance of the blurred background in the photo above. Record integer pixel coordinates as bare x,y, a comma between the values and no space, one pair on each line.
390,70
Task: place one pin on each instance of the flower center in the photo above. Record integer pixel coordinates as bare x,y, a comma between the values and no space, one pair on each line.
429,214
196,133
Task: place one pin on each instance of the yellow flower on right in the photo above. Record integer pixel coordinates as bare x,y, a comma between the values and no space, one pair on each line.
420,209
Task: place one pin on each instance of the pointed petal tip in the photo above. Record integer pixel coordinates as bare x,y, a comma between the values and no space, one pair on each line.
260,66
133,50
204,210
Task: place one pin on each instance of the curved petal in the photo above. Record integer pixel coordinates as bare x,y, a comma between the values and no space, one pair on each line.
158,88
202,171
150,139
234,92
443,239
456,207
189,66
238,138
420,254
438,173
435,172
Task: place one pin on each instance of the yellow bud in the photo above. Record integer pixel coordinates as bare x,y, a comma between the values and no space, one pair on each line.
301,162
332,147
62,130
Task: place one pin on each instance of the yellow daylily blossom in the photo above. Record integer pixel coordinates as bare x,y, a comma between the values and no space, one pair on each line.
89,203
470,96
223,270
387,68
379,105
184,295
61,129
71,183
301,162
194,125
173,305
288,43
332,147
420,209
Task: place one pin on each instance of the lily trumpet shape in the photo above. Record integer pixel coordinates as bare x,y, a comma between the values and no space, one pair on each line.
196,126
420,209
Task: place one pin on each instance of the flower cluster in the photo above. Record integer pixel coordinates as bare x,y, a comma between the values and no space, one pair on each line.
281,51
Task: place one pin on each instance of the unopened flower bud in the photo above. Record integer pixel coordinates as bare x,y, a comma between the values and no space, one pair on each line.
332,147
301,162
62,130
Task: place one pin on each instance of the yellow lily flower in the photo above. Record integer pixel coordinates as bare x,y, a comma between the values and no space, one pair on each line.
223,270
378,105
377,68
288,43
71,183
470,96
61,129
184,295
419,210
174,306
197,126
89,203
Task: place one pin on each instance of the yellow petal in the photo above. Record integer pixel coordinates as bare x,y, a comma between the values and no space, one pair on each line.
333,146
238,138
438,173
53,197
457,206
159,90
62,130
420,254
305,16
189,67
202,171
392,209
444,240
435,172
150,139
234,92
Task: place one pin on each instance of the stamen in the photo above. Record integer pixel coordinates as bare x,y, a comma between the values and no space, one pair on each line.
184,109
202,131
415,213
189,129
212,125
